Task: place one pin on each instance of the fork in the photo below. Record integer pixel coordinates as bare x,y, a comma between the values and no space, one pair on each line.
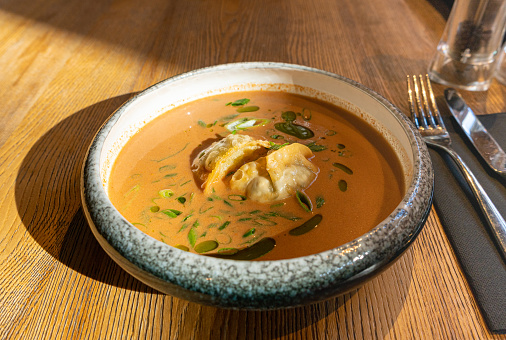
428,121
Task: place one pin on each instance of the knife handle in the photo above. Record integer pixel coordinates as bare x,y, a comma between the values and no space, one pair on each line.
494,218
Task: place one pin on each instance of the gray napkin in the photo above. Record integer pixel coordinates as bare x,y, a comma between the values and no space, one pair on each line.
464,224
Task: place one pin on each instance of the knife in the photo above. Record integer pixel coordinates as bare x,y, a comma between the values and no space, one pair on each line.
486,145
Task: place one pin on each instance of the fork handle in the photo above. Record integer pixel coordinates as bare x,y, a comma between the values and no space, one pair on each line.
494,218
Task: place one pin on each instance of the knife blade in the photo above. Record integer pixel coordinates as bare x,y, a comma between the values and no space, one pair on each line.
486,145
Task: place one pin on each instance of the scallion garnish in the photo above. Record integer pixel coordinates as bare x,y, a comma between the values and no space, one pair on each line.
304,201
249,232
166,193
173,213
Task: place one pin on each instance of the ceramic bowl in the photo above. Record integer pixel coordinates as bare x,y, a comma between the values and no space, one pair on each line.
257,285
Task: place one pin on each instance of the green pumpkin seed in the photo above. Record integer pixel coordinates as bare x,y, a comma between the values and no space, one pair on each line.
343,167
248,109
205,246
252,252
306,226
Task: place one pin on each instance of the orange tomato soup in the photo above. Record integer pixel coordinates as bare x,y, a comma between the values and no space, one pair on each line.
359,180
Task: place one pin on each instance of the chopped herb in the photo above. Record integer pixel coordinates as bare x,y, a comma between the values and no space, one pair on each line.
187,217
254,212
185,182
315,148
237,197
275,146
330,132
165,193
167,167
227,203
278,205
154,209
304,201
203,209
192,237
133,189
181,200
170,175
224,225
245,219
277,137
249,233
320,201
169,156
264,222
343,185
183,227
239,102
201,123
284,215
343,167
229,117
173,213
341,146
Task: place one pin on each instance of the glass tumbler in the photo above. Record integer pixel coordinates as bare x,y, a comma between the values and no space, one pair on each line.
468,50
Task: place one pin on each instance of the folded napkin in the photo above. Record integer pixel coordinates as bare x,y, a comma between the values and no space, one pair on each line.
464,223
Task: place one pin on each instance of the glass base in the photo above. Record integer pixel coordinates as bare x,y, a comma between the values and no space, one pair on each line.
475,74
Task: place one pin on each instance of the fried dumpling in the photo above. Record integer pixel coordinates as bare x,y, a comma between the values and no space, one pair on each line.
224,156
276,176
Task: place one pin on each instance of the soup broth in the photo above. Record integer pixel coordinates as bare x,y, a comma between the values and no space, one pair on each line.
356,178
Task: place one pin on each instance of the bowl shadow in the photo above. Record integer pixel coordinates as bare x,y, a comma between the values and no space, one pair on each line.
47,194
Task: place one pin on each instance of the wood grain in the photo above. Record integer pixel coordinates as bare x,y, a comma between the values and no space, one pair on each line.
68,64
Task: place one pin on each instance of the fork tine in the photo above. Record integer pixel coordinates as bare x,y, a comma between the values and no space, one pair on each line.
435,110
421,112
428,108
411,102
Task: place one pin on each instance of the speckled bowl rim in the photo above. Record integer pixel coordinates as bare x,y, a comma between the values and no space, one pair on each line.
257,284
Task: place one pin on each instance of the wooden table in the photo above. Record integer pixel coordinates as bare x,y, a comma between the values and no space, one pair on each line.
66,65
